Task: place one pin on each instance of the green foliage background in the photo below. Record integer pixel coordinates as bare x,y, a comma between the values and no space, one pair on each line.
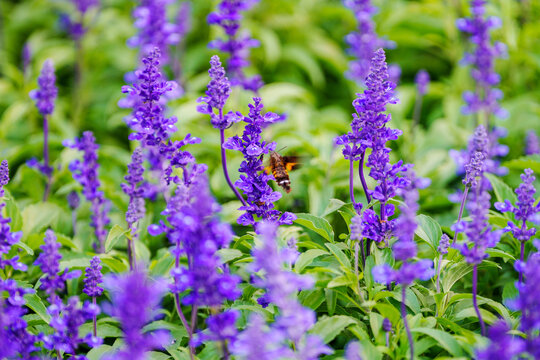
302,59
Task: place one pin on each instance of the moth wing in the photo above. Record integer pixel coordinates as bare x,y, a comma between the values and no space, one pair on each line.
291,162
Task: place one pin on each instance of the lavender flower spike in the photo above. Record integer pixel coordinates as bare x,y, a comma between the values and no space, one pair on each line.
229,16
45,97
86,173
91,284
217,94
135,189
260,196
524,211
532,143
135,302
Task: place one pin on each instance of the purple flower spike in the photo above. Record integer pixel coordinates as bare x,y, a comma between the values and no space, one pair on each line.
532,143
422,82
503,346
364,42
49,261
154,28
353,351
237,44
293,321
135,302
86,173
134,188
46,95
93,278
444,244
217,94
254,184
73,200
482,58
4,176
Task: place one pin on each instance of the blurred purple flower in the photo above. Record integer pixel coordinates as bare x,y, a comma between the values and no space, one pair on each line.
4,176
73,200
154,30
194,229
482,58
502,346
135,301
293,321
444,244
353,351
46,94
422,82
363,42
86,173
254,184
532,143
237,44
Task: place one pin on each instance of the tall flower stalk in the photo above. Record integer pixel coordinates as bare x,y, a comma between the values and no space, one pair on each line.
523,211
86,173
195,231
405,250
422,83
236,42
442,249
91,285
219,89
261,341
260,197
45,97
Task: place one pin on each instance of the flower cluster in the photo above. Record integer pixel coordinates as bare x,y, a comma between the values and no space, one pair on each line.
364,42
532,143
293,321
14,337
219,89
150,125
503,346
135,302
422,82
135,189
195,231
75,26
46,95
237,44
93,278
482,59
405,248
154,28
86,173
254,182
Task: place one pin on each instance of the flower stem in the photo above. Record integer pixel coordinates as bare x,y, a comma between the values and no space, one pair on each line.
417,112
186,325
351,182
368,198
439,273
461,207
95,316
405,323
225,171
74,221
475,301
46,157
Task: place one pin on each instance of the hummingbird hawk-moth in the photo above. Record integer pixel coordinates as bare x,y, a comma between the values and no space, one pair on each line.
280,167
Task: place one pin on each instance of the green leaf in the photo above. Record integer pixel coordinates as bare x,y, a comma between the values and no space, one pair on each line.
331,300
328,327
37,217
306,258
103,330
177,331
429,230
338,253
311,298
154,355
34,302
444,340
98,352
114,236
502,191
319,225
525,162
227,255
342,280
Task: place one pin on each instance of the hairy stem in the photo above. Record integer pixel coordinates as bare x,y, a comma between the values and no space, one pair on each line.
186,325
95,316
351,182
439,273
225,171
461,207
521,257
417,112
46,156
368,198
475,301
405,323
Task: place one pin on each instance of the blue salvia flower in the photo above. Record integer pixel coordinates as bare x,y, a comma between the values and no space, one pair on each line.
14,337
532,143
154,29
75,25
236,43
363,42
150,125
422,82
86,173
93,278
405,249
502,345
45,97
135,301
524,210
482,58
254,181
196,232
293,320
